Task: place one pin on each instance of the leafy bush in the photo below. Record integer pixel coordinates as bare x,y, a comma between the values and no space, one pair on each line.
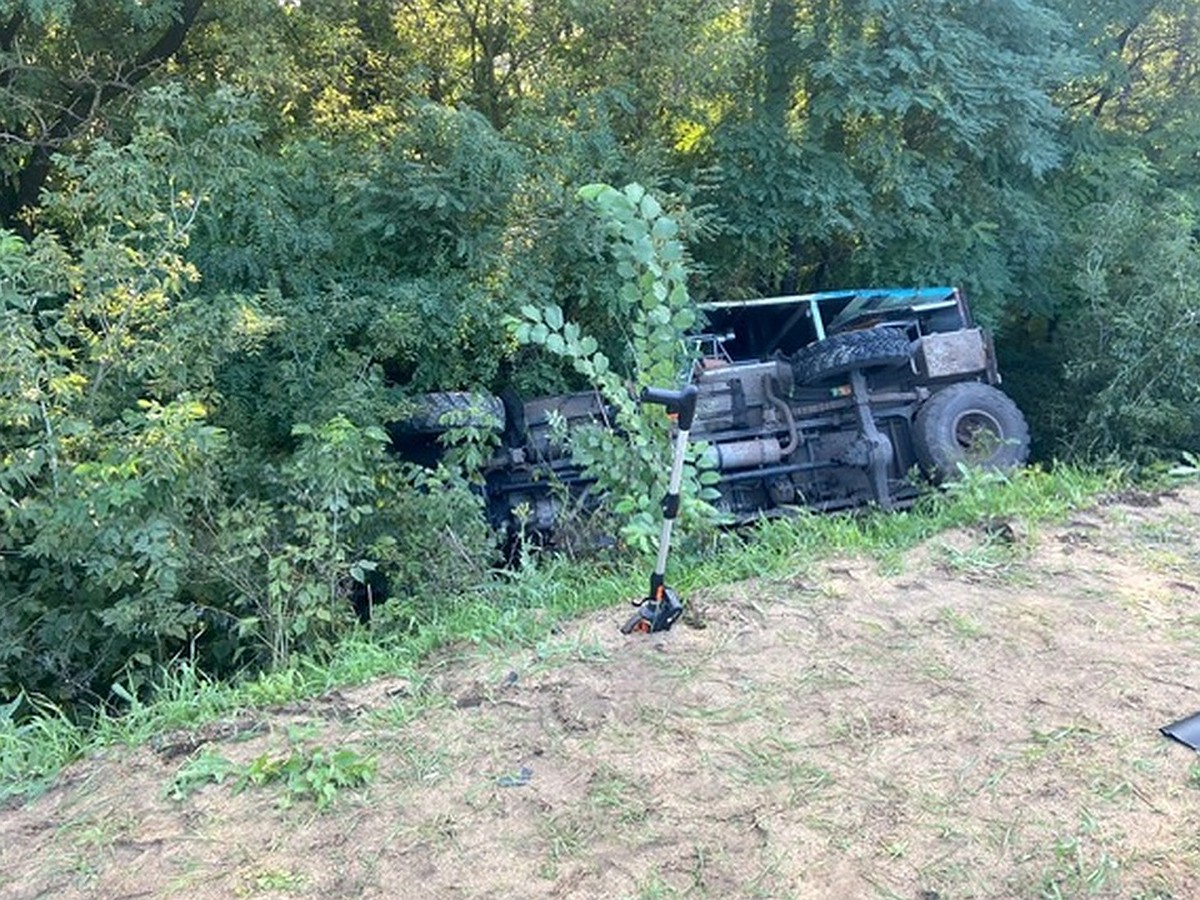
1133,348
627,459
194,474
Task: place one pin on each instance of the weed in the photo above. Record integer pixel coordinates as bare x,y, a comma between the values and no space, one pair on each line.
719,715
1188,469
765,880
277,880
441,829
770,761
990,559
938,670
299,732
656,888
699,867
207,768
1057,740
1082,865
99,832
401,712
566,833
36,739
422,764
1169,532
1112,790
91,841
552,653
318,776
961,624
621,798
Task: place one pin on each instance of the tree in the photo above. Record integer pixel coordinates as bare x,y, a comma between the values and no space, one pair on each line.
908,145
1112,318
64,66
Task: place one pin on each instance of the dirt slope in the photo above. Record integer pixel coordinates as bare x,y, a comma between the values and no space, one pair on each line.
982,722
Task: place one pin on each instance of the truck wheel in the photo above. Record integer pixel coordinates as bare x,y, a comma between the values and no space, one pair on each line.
875,348
438,412
971,423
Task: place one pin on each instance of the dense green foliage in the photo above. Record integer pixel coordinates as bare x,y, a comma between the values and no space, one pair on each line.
238,236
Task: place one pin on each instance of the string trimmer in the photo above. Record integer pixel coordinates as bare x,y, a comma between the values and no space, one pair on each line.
662,606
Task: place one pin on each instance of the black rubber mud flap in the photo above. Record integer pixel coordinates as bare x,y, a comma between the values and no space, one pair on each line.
1186,731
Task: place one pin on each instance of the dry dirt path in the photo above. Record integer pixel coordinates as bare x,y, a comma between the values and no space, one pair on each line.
980,722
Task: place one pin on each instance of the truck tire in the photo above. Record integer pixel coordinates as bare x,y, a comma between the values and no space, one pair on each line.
970,423
875,348
438,412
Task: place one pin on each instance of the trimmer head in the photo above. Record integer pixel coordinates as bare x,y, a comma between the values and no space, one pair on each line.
662,606
655,615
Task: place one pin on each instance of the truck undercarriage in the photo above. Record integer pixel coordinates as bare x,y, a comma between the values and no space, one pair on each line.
819,401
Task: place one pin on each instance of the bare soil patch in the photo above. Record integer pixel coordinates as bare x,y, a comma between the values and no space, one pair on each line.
979,721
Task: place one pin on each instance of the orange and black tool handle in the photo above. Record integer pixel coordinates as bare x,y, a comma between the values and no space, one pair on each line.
681,402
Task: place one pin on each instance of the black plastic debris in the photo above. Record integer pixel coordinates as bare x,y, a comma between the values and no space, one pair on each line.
1186,731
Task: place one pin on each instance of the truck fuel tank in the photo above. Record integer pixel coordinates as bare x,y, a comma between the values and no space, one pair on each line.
747,454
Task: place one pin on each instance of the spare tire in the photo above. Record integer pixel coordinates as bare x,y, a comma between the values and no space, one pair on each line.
436,413
970,423
875,348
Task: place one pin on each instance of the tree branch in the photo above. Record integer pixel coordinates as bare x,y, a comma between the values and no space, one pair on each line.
81,107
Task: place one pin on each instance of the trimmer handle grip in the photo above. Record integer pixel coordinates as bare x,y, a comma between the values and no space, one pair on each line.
682,402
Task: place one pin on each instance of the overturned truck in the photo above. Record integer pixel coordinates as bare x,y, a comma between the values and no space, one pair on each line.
824,401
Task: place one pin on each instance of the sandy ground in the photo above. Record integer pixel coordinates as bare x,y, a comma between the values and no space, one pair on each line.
979,721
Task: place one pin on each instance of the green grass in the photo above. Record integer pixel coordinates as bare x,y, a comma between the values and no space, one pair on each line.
619,797
521,608
275,881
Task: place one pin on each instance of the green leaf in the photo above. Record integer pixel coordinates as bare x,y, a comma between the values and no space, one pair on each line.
554,316
642,250
650,208
591,192
683,320
665,229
